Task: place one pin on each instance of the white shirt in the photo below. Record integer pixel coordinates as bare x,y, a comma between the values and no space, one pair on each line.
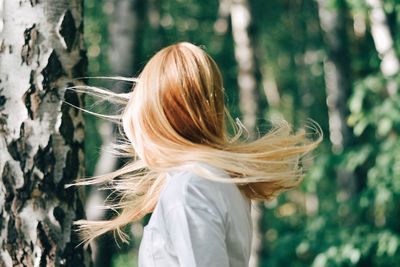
197,223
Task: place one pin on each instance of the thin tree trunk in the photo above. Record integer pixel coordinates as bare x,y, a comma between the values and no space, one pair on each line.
103,247
338,86
244,54
384,44
41,138
337,70
126,31
271,88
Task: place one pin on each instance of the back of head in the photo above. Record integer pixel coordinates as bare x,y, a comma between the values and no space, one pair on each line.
177,102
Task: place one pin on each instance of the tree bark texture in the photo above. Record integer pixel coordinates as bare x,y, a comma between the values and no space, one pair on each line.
41,137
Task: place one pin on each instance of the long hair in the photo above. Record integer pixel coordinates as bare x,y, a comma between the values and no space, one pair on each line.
176,115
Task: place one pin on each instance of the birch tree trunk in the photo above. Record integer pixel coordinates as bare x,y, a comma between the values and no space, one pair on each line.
125,31
103,247
244,54
41,138
383,40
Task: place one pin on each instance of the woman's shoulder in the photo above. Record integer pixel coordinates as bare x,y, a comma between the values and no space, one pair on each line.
185,186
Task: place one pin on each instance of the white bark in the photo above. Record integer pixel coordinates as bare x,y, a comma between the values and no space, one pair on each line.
271,87
244,54
383,41
102,250
41,139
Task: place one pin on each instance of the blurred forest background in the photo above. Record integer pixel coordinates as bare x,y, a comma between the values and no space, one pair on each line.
335,61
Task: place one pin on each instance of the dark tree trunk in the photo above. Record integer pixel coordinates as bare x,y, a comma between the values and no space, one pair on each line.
126,34
337,70
338,86
41,138
126,30
158,35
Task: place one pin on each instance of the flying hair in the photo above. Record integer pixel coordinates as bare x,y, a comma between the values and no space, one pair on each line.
175,116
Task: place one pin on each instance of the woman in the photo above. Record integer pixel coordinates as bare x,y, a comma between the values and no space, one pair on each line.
188,170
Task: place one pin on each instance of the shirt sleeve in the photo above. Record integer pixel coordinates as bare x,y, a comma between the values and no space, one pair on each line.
197,235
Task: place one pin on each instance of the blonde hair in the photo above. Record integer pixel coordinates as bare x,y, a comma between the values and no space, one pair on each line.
174,115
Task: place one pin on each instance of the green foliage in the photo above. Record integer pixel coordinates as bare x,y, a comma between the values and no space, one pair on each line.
313,225
95,33
362,230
